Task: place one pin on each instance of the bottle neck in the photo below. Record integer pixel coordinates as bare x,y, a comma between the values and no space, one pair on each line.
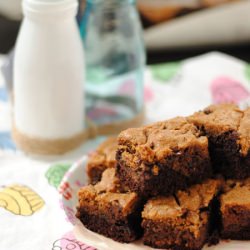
50,9
111,2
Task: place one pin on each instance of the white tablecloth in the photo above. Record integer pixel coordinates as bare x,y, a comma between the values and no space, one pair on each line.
30,214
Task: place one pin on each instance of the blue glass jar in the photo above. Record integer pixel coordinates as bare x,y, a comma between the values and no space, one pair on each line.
115,60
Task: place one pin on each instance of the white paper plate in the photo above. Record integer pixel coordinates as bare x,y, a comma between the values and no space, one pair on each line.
72,181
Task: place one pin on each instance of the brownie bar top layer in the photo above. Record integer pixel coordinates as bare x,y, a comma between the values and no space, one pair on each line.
236,193
235,210
108,183
180,221
228,130
218,119
155,142
105,193
103,209
193,199
163,157
114,206
244,131
101,159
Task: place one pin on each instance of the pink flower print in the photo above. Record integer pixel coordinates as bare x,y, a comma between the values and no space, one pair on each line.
79,184
69,242
66,190
148,94
227,90
98,113
128,87
69,212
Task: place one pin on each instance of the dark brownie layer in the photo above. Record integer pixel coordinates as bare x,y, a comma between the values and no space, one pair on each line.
104,210
123,230
183,221
228,130
162,158
226,158
158,238
101,159
144,182
235,210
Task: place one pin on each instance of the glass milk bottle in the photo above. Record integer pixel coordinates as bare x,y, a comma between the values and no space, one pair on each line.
115,60
48,78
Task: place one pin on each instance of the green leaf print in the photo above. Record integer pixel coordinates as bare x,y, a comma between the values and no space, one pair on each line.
165,72
56,172
247,71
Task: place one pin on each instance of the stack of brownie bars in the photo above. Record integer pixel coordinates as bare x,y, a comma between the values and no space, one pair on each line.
177,184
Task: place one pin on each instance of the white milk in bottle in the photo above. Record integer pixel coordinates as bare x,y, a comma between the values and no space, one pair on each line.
48,78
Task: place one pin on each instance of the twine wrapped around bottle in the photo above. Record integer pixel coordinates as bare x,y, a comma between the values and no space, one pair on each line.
40,146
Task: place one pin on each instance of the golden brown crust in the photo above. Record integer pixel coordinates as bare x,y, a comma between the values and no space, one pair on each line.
155,142
217,119
200,195
161,208
105,195
237,193
244,131
196,197
101,159
108,183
